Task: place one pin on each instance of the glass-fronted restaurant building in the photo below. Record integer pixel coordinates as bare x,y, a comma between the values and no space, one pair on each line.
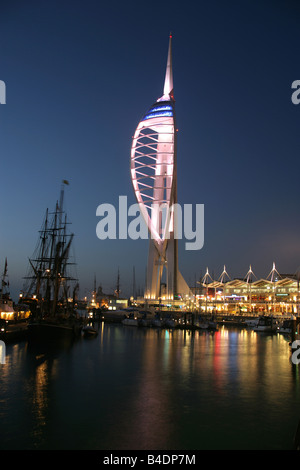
239,296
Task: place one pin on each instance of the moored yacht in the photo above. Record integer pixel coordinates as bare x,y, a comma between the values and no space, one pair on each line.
89,331
131,320
252,322
286,327
267,324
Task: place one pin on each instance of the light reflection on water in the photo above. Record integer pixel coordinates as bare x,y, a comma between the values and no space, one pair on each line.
135,388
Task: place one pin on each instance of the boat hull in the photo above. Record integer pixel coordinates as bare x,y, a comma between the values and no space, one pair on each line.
130,322
285,331
286,327
251,323
89,332
266,324
44,330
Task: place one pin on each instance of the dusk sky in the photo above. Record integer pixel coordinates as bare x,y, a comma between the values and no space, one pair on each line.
80,75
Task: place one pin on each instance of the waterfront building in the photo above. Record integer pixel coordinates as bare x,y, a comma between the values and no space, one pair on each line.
277,294
106,301
154,179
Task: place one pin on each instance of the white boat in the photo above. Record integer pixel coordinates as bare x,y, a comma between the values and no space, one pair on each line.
156,322
286,327
252,323
143,322
203,325
131,320
88,330
207,325
142,319
267,324
169,323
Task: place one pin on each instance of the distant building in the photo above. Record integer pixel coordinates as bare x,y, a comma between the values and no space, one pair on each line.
108,301
277,294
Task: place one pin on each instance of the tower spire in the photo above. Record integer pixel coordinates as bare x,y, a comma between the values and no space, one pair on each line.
168,85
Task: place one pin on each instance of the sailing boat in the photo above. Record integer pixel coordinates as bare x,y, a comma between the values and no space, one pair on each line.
6,304
49,281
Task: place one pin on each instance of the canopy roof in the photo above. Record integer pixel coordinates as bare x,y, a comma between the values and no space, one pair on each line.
259,283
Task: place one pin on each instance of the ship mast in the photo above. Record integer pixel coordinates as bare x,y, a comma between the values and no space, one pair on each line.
117,291
4,283
49,267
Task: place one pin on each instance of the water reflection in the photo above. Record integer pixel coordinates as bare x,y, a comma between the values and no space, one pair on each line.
135,388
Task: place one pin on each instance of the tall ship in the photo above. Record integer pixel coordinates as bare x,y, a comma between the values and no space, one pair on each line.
50,289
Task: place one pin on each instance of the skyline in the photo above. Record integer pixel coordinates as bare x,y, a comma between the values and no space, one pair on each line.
78,80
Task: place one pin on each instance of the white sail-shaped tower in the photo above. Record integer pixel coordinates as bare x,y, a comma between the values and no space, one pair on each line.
154,179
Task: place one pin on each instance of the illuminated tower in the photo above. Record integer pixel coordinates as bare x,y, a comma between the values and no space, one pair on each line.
154,178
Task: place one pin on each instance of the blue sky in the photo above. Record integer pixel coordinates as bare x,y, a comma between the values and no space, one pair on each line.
80,75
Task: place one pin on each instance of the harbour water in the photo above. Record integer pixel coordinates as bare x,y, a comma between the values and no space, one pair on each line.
151,389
